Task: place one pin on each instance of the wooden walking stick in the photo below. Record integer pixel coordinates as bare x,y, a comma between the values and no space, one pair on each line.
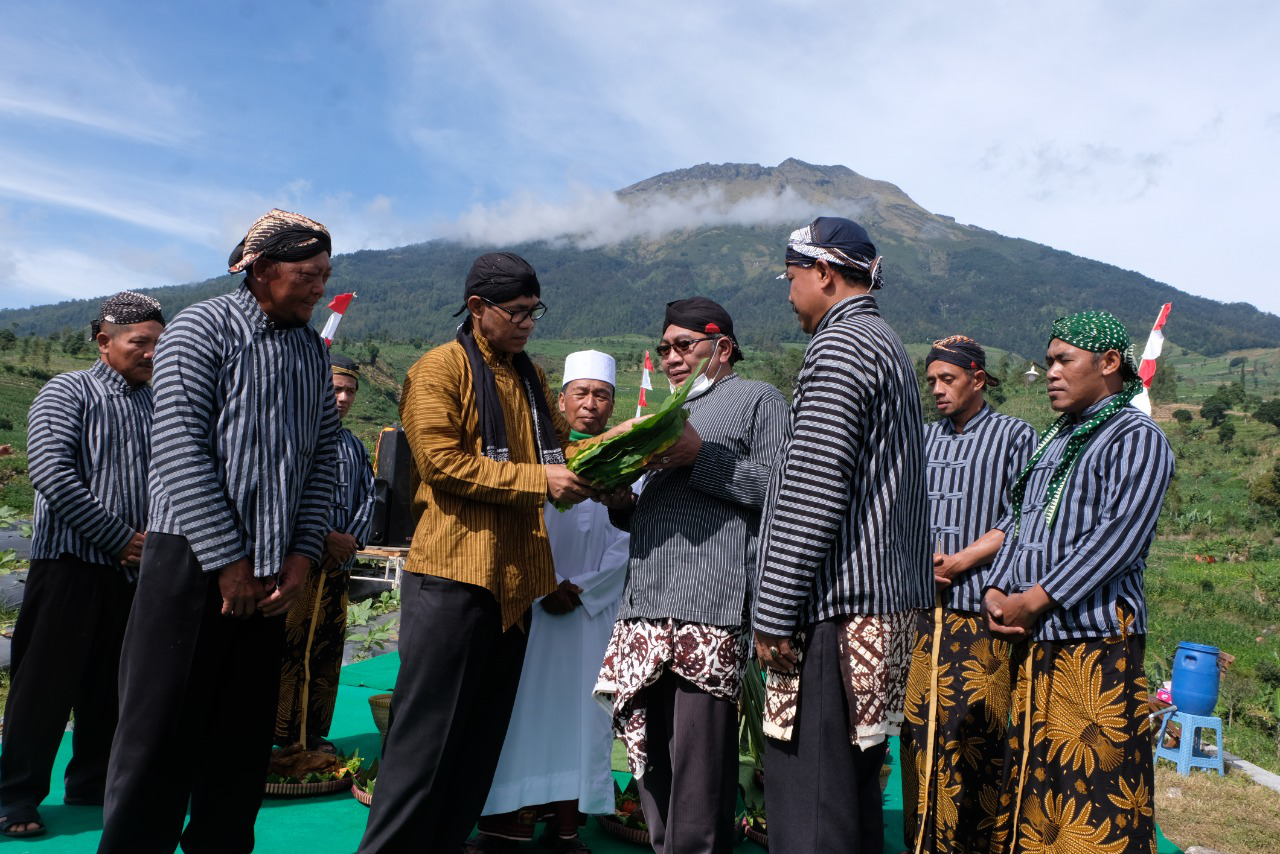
306,655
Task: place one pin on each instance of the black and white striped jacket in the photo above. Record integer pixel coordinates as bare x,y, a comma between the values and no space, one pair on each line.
244,441
970,476
88,450
693,531
1095,554
846,526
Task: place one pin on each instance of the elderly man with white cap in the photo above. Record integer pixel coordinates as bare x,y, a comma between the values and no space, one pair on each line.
555,761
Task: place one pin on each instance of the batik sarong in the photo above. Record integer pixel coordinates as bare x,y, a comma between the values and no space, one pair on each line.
1086,782
711,658
325,662
875,654
953,735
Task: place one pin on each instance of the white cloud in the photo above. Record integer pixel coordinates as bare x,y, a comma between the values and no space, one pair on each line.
592,219
95,84
1093,127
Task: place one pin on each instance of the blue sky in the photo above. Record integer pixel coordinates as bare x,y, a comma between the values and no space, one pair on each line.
140,139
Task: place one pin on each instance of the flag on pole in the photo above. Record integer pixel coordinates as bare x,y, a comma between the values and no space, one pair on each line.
1147,367
645,383
339,307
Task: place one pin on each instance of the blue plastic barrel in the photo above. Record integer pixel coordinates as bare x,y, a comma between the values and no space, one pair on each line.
1195,678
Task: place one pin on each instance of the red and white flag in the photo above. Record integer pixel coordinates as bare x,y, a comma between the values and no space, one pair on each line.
339,306
1147,367
645,383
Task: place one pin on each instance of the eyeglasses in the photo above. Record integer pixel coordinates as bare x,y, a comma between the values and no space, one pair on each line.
520,315
681,345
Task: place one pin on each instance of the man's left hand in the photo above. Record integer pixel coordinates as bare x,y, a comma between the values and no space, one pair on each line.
340,546
621,498
293,572
683,453
776,651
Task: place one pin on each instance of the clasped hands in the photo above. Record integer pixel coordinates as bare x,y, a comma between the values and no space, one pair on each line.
1014,615
243,594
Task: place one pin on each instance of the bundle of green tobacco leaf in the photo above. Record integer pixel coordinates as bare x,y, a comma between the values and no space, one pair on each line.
620,460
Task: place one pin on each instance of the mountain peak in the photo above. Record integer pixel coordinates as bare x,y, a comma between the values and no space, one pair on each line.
828,190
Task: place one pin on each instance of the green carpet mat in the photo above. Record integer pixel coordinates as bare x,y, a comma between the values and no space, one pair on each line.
377,673
333,824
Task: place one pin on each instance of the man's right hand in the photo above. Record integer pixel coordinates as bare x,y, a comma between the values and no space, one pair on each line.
566,487
563,599
131,554
240,590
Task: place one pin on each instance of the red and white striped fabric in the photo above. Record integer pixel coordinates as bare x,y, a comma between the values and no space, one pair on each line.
339,306
1147,367
645,383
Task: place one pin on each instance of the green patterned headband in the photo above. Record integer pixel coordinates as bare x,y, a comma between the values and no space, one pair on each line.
1097,332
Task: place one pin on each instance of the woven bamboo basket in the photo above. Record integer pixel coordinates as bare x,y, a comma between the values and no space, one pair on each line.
610,825
380,706
306,790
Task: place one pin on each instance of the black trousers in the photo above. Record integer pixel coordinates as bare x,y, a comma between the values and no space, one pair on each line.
449,713
66,656
690,788
197,708
823,793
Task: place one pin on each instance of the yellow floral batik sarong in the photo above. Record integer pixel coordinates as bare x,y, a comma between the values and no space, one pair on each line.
953,735
1086,782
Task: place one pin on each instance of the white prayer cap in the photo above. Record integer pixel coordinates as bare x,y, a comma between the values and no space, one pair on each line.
589,365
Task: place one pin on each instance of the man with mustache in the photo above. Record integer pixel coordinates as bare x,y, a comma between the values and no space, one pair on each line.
1066,587
673,670
88,455
243,448
489,448
958,686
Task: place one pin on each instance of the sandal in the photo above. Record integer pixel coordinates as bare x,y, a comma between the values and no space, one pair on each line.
22,815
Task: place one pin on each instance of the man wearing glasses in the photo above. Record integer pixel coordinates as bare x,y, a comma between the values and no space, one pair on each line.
488,445
674,666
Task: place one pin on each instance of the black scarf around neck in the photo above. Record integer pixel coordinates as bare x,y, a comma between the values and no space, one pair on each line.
493,426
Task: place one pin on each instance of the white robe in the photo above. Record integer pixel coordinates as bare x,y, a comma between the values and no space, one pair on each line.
559,743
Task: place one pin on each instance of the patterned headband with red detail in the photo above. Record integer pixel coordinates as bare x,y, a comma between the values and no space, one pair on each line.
961,351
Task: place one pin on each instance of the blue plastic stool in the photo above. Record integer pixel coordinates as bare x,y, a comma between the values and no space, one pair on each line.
1187,754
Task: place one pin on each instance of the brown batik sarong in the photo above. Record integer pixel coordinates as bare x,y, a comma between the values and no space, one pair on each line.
325,664
711,658
1086,783
953,733
875,653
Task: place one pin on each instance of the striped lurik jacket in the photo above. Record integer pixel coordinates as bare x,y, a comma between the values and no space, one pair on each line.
1096,552
352,506
694,529
970,476
846,526
88,454
477,520
244,439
